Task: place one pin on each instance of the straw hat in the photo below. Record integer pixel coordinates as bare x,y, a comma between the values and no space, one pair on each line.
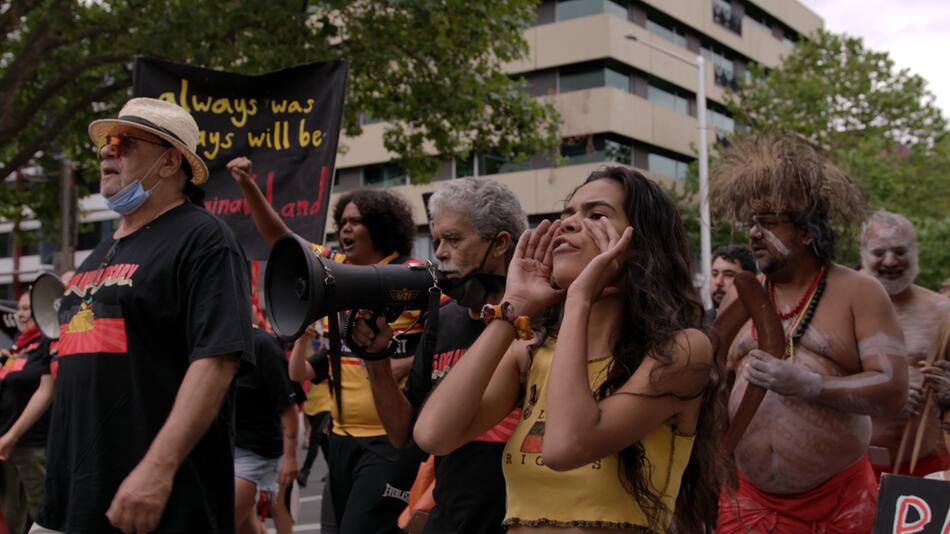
166,120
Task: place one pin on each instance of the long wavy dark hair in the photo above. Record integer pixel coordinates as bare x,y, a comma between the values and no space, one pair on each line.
659,300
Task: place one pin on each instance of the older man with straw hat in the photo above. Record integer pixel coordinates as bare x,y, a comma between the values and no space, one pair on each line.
153,327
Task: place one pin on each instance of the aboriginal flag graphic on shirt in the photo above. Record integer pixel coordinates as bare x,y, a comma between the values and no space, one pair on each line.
95,327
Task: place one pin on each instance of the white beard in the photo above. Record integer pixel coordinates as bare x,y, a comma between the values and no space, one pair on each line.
895,287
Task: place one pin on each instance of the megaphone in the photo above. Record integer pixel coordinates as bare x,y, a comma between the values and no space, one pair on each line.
45,296
300,287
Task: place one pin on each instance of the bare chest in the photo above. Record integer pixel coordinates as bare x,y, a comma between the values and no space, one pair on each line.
825,346
923,328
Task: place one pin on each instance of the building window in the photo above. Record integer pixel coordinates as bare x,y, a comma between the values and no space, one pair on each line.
615,78
495,163
366,118
572,9
487,164
724,69
31,245
724,15
789,39
668,96
385,175
595,148
465,167
592,75
666,166
720,119
757,21
96,232
666,30
576,80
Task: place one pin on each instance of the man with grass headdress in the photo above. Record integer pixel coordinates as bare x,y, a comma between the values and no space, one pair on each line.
802,463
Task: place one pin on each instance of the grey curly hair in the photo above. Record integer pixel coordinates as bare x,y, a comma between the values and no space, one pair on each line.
491,206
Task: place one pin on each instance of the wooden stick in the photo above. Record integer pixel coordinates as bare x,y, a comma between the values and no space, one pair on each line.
920,422
905,437
919,438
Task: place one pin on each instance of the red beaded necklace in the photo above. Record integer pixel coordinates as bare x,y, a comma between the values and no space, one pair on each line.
801,303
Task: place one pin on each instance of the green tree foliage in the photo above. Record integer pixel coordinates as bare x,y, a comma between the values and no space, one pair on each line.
685,196
432,68
877,122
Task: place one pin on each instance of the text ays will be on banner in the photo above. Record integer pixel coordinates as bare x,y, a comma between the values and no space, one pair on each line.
286,122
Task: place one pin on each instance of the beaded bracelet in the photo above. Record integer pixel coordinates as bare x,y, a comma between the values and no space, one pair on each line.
505,312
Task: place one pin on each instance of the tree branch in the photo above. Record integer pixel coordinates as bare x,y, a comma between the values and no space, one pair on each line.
10,124
17,11
41,138
28,60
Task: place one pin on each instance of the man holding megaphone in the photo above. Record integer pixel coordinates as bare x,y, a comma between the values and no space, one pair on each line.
475,222
369,478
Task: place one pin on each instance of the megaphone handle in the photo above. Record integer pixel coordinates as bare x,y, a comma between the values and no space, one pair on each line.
372,321
371,356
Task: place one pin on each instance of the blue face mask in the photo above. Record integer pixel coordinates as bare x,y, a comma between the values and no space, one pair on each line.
132,196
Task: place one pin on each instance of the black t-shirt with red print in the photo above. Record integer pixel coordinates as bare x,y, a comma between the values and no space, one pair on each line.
137,313
19,378
469,484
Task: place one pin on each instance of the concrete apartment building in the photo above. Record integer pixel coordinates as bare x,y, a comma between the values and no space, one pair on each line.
620,101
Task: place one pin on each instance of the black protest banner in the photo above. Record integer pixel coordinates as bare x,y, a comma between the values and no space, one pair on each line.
286,122
908,505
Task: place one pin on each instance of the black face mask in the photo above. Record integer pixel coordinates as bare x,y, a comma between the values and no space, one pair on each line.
472,289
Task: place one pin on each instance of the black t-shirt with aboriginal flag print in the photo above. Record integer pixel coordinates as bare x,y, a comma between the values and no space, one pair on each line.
137,313
19,378
469,483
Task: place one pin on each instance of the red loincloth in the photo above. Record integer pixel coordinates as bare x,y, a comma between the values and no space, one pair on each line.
844,504
925,466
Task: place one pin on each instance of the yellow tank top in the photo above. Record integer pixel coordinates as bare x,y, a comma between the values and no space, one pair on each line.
360,418
590,496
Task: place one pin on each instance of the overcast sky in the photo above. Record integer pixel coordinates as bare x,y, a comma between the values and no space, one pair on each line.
916,34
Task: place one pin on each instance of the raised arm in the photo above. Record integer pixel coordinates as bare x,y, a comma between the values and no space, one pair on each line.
300,369
580,429
483,386
269,225
480,391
